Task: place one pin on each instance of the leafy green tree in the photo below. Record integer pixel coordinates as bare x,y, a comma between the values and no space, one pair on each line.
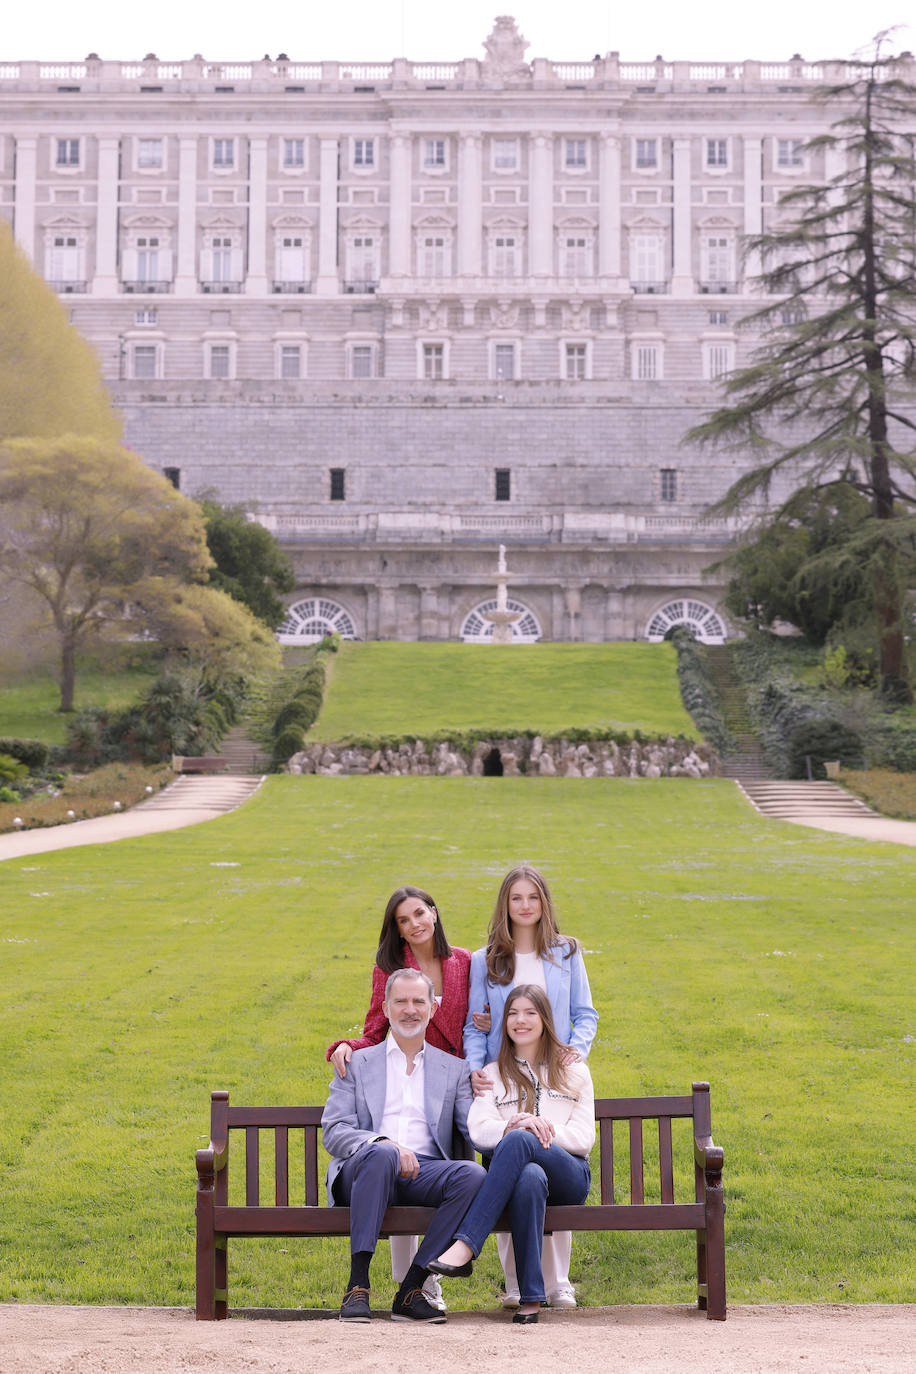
92,532
249,564
214,636
801,568
823,398
50,382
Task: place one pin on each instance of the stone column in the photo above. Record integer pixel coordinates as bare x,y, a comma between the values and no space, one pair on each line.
24,207
429,611
540,206
399,207
372,608
256,279
682,283
327,283
613,615
470,205
609,206
105,280
753,200
186,263
574,611
387,612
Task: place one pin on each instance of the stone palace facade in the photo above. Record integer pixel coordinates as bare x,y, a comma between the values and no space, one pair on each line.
405,312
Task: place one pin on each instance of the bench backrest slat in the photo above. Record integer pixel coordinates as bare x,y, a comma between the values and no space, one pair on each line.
252,1166
281,1165
665,1159
637,1178
311,1168
606,1156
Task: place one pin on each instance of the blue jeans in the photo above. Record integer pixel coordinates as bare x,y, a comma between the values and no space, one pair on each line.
524,1176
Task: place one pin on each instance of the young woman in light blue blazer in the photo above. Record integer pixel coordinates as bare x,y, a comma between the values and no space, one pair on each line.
524,945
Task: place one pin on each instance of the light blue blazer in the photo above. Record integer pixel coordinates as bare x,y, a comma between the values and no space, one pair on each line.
575,1019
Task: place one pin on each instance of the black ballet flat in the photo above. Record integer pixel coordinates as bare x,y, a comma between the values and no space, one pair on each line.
525,1319
452,1271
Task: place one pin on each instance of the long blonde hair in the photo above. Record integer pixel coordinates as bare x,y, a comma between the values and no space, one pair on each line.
548,1062
500,943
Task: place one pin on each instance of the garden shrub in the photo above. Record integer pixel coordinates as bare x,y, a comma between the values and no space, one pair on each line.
891,743
295,712
32,752
12,769
822,740
290,741
698,692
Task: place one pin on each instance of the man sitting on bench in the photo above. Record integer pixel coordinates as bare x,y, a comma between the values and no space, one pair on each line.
388,1127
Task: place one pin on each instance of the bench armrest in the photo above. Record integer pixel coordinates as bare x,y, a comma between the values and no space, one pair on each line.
708,1156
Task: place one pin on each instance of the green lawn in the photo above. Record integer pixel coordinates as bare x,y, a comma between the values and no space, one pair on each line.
771,959
29,709
404,689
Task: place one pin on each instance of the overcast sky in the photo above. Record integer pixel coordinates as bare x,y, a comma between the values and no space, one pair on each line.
379,30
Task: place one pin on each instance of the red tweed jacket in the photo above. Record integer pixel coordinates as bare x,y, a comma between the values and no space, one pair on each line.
447,1024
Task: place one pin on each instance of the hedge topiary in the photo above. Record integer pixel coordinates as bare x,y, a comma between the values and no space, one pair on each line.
295,712
290,741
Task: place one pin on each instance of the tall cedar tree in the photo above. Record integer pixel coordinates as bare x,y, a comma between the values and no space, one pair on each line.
823,397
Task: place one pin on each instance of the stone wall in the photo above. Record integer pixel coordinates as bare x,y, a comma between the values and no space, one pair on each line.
514,757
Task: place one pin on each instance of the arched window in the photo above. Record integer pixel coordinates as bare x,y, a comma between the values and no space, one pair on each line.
695,615
312,619
477,629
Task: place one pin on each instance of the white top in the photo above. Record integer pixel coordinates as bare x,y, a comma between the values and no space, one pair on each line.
529,968
404,1120
572,1112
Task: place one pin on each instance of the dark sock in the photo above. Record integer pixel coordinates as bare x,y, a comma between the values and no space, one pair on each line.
415,1277
359,1269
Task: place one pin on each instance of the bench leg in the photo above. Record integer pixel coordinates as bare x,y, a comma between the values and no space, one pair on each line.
221,1278
715,1254
210,1264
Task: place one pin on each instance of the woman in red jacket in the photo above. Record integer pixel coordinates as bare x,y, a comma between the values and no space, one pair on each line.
412,937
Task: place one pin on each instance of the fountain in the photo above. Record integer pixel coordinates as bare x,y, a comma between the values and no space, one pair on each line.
502,619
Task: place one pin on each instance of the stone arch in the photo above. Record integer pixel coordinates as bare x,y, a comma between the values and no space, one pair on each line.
702,619
311,619
476,629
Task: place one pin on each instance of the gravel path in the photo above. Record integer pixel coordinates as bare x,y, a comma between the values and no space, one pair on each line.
638,1340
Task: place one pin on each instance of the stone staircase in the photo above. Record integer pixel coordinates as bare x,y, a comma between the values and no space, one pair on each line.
746,761
789,801
244,756
216,792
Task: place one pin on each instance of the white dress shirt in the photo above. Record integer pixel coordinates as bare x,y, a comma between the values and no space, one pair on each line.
404,1120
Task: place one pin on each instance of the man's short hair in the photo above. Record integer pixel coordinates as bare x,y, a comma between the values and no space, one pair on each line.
410,973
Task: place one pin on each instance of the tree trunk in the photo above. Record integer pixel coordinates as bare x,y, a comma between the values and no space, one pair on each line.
67,673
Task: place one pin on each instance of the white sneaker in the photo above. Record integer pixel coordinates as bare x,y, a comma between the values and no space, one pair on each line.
564,1296
511,1299
432,1292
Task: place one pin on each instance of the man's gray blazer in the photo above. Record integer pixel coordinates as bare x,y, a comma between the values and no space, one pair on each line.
353,1113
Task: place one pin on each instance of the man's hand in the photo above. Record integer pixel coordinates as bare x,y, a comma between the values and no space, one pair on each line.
340,1059
410,1167
481,1082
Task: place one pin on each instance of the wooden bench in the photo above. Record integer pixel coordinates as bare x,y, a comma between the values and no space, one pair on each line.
202,763
701,1160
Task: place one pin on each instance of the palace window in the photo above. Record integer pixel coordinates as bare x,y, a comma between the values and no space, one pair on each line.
150,154
363,152
338,490
503,484
219,362
68,152
505,255
293,154
504,362
434,255
173,475
144,361
434,157
717,153
433,362
576,362
789,153
645,155
362,361
292,251
362,262
668,484
718,359
717,260
647,261
575,255
647,362
505,155
290,361
575,154
224,153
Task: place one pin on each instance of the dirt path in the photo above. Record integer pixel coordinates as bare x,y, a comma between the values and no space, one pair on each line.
638,1340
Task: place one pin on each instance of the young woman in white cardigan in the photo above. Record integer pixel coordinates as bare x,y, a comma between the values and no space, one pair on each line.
524,945
538,1120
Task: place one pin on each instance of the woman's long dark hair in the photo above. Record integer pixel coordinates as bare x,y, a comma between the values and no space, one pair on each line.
500,944
549,1064
390,952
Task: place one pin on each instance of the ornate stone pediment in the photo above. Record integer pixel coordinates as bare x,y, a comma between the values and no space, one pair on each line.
505,49
576,314
504,314
433,315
